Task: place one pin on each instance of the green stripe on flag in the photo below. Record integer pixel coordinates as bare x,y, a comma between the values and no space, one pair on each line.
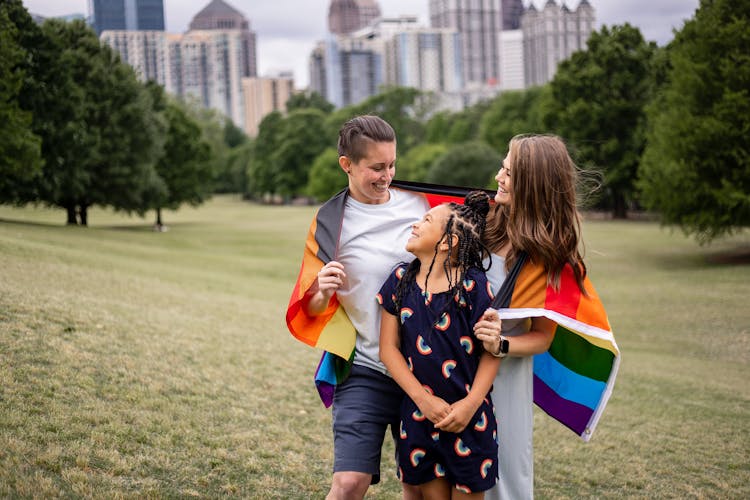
580,356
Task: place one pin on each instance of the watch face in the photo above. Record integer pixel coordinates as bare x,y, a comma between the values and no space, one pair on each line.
504,344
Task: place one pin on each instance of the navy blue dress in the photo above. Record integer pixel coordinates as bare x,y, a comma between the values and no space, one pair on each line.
439,346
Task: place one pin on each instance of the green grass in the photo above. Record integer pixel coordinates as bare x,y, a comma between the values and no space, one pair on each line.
144,364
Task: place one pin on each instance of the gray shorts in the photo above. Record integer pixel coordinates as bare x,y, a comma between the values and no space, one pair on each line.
363,407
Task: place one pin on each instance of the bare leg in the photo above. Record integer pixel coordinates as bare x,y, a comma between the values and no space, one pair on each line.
349,485
437,489
411,492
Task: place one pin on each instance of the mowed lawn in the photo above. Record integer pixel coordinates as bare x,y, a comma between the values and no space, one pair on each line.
143,364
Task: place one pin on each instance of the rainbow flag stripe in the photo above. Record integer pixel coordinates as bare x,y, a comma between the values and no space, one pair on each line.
573,380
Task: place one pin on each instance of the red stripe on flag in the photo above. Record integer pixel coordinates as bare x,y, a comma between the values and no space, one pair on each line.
564,301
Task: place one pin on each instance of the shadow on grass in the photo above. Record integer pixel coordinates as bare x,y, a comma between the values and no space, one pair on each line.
699,259
21,222
144,227
739,256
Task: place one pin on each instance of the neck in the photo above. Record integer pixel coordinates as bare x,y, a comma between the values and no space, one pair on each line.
438,281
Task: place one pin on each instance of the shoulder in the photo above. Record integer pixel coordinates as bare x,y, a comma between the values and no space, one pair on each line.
402,197
476,274
476,283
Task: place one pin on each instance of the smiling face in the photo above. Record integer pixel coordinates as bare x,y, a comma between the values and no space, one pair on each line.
504,184
370,177
426,233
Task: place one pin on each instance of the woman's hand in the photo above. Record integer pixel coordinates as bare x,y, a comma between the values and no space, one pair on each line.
331,278
488,330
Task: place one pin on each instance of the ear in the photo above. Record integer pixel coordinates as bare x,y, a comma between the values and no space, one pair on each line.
444,242
346,164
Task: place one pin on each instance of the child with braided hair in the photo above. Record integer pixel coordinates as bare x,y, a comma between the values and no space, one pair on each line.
447,441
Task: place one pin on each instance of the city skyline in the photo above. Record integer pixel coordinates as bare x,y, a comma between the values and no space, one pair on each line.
285,42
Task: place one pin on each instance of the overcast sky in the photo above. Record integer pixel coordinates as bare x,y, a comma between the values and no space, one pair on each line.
288,29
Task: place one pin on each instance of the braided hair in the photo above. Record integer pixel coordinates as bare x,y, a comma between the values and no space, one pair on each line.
466,221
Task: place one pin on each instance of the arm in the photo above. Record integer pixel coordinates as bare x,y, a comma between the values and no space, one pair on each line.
463,410
535,341
434,408
330,278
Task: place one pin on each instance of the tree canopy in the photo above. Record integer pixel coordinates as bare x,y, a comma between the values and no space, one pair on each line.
598,104
20,148
696,168
469,164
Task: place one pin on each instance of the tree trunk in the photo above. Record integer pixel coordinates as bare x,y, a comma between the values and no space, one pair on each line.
72,219
84,214
620,208
158,226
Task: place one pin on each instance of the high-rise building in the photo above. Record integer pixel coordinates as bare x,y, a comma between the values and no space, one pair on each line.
219,15
346,69
264,95
145,51
213,57
426,59
511,60
551,35
128,15
317,69
347,16
512,12
479,23
207,63
353,70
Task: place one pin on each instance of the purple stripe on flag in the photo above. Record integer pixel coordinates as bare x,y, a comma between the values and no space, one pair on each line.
573,415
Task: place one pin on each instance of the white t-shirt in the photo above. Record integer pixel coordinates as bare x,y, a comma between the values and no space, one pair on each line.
372,242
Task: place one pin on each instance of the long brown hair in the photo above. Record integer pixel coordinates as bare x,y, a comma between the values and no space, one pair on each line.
542,218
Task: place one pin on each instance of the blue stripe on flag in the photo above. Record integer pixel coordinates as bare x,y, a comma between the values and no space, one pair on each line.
567,383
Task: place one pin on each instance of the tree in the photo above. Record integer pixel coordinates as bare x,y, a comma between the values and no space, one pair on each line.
119,111
696,168
326,177
415,164
260,170
513,113
184,169
301,142
452,128
20,148
469,164
599,99
100,137
309,99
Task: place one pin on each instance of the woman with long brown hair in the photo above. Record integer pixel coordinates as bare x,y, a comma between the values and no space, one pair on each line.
535,215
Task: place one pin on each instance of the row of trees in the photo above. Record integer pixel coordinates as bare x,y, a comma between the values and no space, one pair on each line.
78,129
664,128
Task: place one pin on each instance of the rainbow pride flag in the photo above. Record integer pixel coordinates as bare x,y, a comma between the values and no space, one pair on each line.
573,380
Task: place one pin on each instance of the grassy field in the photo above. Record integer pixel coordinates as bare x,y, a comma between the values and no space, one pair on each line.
144,364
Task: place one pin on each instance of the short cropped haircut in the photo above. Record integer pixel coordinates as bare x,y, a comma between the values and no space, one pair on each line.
355,134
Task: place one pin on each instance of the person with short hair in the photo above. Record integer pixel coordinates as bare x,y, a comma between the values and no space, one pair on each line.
376,224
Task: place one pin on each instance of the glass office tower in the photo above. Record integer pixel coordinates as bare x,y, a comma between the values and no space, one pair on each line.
128,15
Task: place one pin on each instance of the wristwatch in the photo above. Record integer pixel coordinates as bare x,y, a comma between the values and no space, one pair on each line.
503,348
